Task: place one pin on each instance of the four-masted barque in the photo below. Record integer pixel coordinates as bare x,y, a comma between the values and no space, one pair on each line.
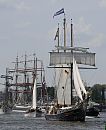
26,86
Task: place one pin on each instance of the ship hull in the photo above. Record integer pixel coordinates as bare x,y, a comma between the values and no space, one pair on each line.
76,114
20,108
33,113
92,112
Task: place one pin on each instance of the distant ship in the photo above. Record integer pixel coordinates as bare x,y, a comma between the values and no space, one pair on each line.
92,109
22,84
34,110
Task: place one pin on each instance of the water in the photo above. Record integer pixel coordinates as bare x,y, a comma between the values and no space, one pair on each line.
17,121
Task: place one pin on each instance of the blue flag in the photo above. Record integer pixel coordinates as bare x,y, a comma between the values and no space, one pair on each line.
59,12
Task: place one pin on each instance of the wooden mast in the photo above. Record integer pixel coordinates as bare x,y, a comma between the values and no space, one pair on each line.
64,32
71,63
58,36
64,46
16,78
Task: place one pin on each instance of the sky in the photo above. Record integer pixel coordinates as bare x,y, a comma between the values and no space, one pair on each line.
27,26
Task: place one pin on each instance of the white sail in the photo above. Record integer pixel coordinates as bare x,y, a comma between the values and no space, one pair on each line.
79,80
67,90
34,96
60,82
63,84
67,58
76,83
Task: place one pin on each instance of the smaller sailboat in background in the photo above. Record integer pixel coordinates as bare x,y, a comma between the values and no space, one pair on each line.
34,110
7,102
92,111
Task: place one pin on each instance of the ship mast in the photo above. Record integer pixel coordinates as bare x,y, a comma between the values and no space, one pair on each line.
64,47
71,63
64,32
58,36
16,78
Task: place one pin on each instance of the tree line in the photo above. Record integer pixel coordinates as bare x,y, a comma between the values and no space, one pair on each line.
97,93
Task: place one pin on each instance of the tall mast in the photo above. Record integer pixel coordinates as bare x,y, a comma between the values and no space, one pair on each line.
7,85
16,77
71,63
41,83
64,45
64,31
58,36
25,78
34,71
25,67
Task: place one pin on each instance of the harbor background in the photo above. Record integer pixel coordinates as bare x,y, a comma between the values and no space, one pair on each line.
17,121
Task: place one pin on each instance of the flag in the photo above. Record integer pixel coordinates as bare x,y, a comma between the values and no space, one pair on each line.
59,12
57,34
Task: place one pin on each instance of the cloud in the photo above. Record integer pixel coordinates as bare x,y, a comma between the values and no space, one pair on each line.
102,3
22,25
82,26
54,1
22,6
97,40
14,4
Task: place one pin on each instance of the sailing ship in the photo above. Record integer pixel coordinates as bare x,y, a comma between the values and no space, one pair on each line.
71,98
22,85
7,103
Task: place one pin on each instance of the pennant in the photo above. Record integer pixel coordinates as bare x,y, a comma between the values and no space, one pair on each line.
59,12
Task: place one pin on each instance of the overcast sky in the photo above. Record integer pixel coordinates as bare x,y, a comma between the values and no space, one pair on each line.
28,26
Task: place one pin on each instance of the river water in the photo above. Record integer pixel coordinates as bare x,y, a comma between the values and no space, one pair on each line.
17,121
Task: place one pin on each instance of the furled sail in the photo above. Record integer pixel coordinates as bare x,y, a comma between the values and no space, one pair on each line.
76,82
79,79
34,96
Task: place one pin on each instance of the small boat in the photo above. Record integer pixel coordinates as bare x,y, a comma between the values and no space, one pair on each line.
92,112
20,108
34,110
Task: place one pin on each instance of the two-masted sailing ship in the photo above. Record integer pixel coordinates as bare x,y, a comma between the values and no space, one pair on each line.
71,97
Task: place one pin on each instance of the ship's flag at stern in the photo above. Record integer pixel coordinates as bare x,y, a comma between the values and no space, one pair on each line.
59,12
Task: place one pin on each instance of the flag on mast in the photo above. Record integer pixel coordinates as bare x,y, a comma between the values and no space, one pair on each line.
59,12
57,34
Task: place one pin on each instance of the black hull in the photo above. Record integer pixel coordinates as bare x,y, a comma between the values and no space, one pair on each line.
74,113
77,114
92,112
